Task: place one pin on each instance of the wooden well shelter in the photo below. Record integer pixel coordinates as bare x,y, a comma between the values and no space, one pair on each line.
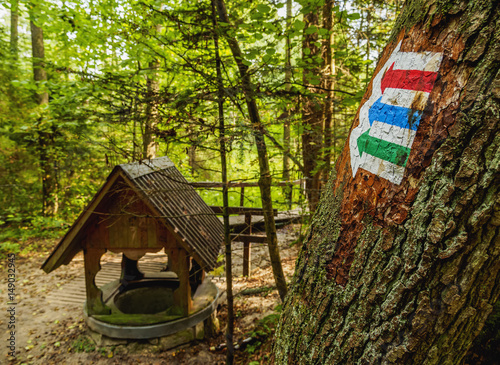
144,207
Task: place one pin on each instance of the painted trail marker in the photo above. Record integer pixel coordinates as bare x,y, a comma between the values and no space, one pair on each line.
389,119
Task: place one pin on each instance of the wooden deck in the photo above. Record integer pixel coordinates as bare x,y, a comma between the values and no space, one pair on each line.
74,291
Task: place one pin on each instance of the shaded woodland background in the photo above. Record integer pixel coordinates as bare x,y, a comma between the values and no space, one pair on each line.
88,85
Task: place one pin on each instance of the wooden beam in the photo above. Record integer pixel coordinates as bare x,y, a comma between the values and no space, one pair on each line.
241,210
235,237
248,223
218,184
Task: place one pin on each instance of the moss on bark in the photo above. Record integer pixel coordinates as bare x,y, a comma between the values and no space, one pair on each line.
415,290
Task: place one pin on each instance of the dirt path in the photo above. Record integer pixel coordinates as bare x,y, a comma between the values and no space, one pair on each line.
48,332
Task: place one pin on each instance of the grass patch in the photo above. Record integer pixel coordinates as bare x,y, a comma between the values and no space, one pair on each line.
83,344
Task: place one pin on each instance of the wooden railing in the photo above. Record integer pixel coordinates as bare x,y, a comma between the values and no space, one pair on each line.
246,235
244,184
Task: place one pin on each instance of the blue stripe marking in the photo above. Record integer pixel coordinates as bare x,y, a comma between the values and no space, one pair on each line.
394,115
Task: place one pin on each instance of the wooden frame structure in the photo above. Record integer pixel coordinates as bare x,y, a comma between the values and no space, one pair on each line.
246,235
144,207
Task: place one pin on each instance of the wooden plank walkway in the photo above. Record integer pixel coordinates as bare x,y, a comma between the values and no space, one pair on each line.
74,291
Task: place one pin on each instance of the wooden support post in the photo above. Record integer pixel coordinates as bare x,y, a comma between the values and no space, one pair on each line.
246,246
179,262
130,271
95,305
247,257
242,197
248,223
196,276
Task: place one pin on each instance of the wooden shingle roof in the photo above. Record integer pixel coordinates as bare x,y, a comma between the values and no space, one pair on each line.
173,202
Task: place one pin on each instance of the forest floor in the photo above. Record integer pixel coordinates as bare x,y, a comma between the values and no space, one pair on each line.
51,333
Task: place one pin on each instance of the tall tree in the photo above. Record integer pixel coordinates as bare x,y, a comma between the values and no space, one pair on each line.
402,261
38,51
258,134
14,31
225,192
149,144
312,135
46,130
287,114
328,83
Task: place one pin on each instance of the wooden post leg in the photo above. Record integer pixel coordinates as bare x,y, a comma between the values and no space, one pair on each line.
247,257
242,196
196,276
95,305
130,271
248,223
180,265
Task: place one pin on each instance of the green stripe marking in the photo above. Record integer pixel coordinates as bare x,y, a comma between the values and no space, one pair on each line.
384,150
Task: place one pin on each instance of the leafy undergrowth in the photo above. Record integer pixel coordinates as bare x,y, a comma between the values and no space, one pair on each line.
26,249
26,237
252,347
259,351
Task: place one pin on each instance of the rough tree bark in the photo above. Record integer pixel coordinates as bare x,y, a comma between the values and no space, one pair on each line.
401,265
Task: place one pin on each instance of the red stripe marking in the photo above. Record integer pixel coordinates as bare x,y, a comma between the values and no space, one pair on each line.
408,79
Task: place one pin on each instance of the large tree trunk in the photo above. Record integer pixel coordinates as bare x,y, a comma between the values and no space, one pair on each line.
149,144
39,73
401,264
